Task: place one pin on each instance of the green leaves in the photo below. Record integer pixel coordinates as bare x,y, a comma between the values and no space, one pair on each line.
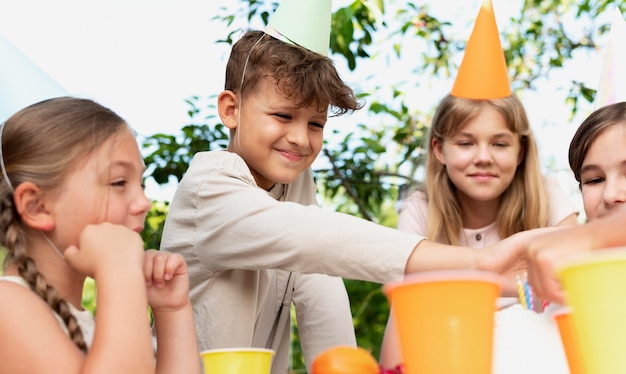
168,156
353,28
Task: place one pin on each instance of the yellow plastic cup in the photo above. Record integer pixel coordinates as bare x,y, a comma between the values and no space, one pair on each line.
595,289
445,320
237,361
563,318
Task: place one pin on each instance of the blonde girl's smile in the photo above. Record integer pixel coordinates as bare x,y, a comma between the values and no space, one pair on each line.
482,158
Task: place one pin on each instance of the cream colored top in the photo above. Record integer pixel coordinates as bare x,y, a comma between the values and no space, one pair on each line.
414,216
253,253
85,319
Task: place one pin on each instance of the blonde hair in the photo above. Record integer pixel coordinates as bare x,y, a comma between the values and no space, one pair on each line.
42,144
523,205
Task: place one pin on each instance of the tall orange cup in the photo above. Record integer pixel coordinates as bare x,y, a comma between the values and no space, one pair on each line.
595,289
445,320
563,318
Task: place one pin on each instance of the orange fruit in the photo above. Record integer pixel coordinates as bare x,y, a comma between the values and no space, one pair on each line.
345,360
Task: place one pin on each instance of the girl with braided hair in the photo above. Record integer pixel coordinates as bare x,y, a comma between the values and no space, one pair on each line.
71,206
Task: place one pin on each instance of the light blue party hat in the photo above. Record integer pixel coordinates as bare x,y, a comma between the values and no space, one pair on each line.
22,83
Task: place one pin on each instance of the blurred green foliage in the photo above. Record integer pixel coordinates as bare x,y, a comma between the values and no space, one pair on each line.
89,295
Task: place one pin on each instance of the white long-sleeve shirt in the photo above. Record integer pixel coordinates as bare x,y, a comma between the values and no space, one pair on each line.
251,251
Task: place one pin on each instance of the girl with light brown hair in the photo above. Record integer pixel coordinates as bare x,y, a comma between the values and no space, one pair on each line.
71,206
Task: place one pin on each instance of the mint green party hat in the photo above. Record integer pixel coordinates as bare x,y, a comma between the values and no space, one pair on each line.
303,22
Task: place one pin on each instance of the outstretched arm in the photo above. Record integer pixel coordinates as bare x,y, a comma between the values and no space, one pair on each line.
507,257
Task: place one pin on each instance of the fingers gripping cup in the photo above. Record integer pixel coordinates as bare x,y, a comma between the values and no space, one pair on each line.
445,320
595,290
237,361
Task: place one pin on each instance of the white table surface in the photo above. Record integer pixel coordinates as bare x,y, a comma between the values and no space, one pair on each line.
526,342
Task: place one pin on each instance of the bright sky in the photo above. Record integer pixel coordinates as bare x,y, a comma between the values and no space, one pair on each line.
142,58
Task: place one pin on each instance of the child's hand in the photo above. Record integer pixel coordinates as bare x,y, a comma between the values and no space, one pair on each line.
105,247
167,280
547,253
508,256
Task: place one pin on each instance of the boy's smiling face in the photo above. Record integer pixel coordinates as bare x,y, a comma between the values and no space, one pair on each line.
276,139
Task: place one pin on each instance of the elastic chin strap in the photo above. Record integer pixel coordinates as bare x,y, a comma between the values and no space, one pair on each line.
243,76
52,245
4,171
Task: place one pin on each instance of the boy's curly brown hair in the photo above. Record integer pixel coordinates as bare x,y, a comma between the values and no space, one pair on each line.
303,76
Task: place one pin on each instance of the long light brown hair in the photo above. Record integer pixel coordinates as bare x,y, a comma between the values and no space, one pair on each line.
42,144
523,205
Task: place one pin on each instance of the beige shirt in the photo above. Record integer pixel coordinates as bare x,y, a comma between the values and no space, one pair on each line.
252,253
414,216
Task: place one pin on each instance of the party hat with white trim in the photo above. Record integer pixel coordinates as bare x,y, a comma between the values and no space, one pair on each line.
22,83
483,73
612,87
303,22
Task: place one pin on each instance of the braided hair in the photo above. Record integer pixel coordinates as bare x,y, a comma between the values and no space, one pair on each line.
42,143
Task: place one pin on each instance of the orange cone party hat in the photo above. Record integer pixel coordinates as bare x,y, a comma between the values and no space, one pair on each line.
303,22
612,87
483,73
22,83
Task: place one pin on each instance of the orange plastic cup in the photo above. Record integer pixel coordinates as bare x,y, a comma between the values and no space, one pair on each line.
595,290
237,361
563,318
445,320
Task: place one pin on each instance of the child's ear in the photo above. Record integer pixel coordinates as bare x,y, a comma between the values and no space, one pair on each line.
228,108
436,144
30,205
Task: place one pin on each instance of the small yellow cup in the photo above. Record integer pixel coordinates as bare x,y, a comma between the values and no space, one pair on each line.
237,361
595,289
445,320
